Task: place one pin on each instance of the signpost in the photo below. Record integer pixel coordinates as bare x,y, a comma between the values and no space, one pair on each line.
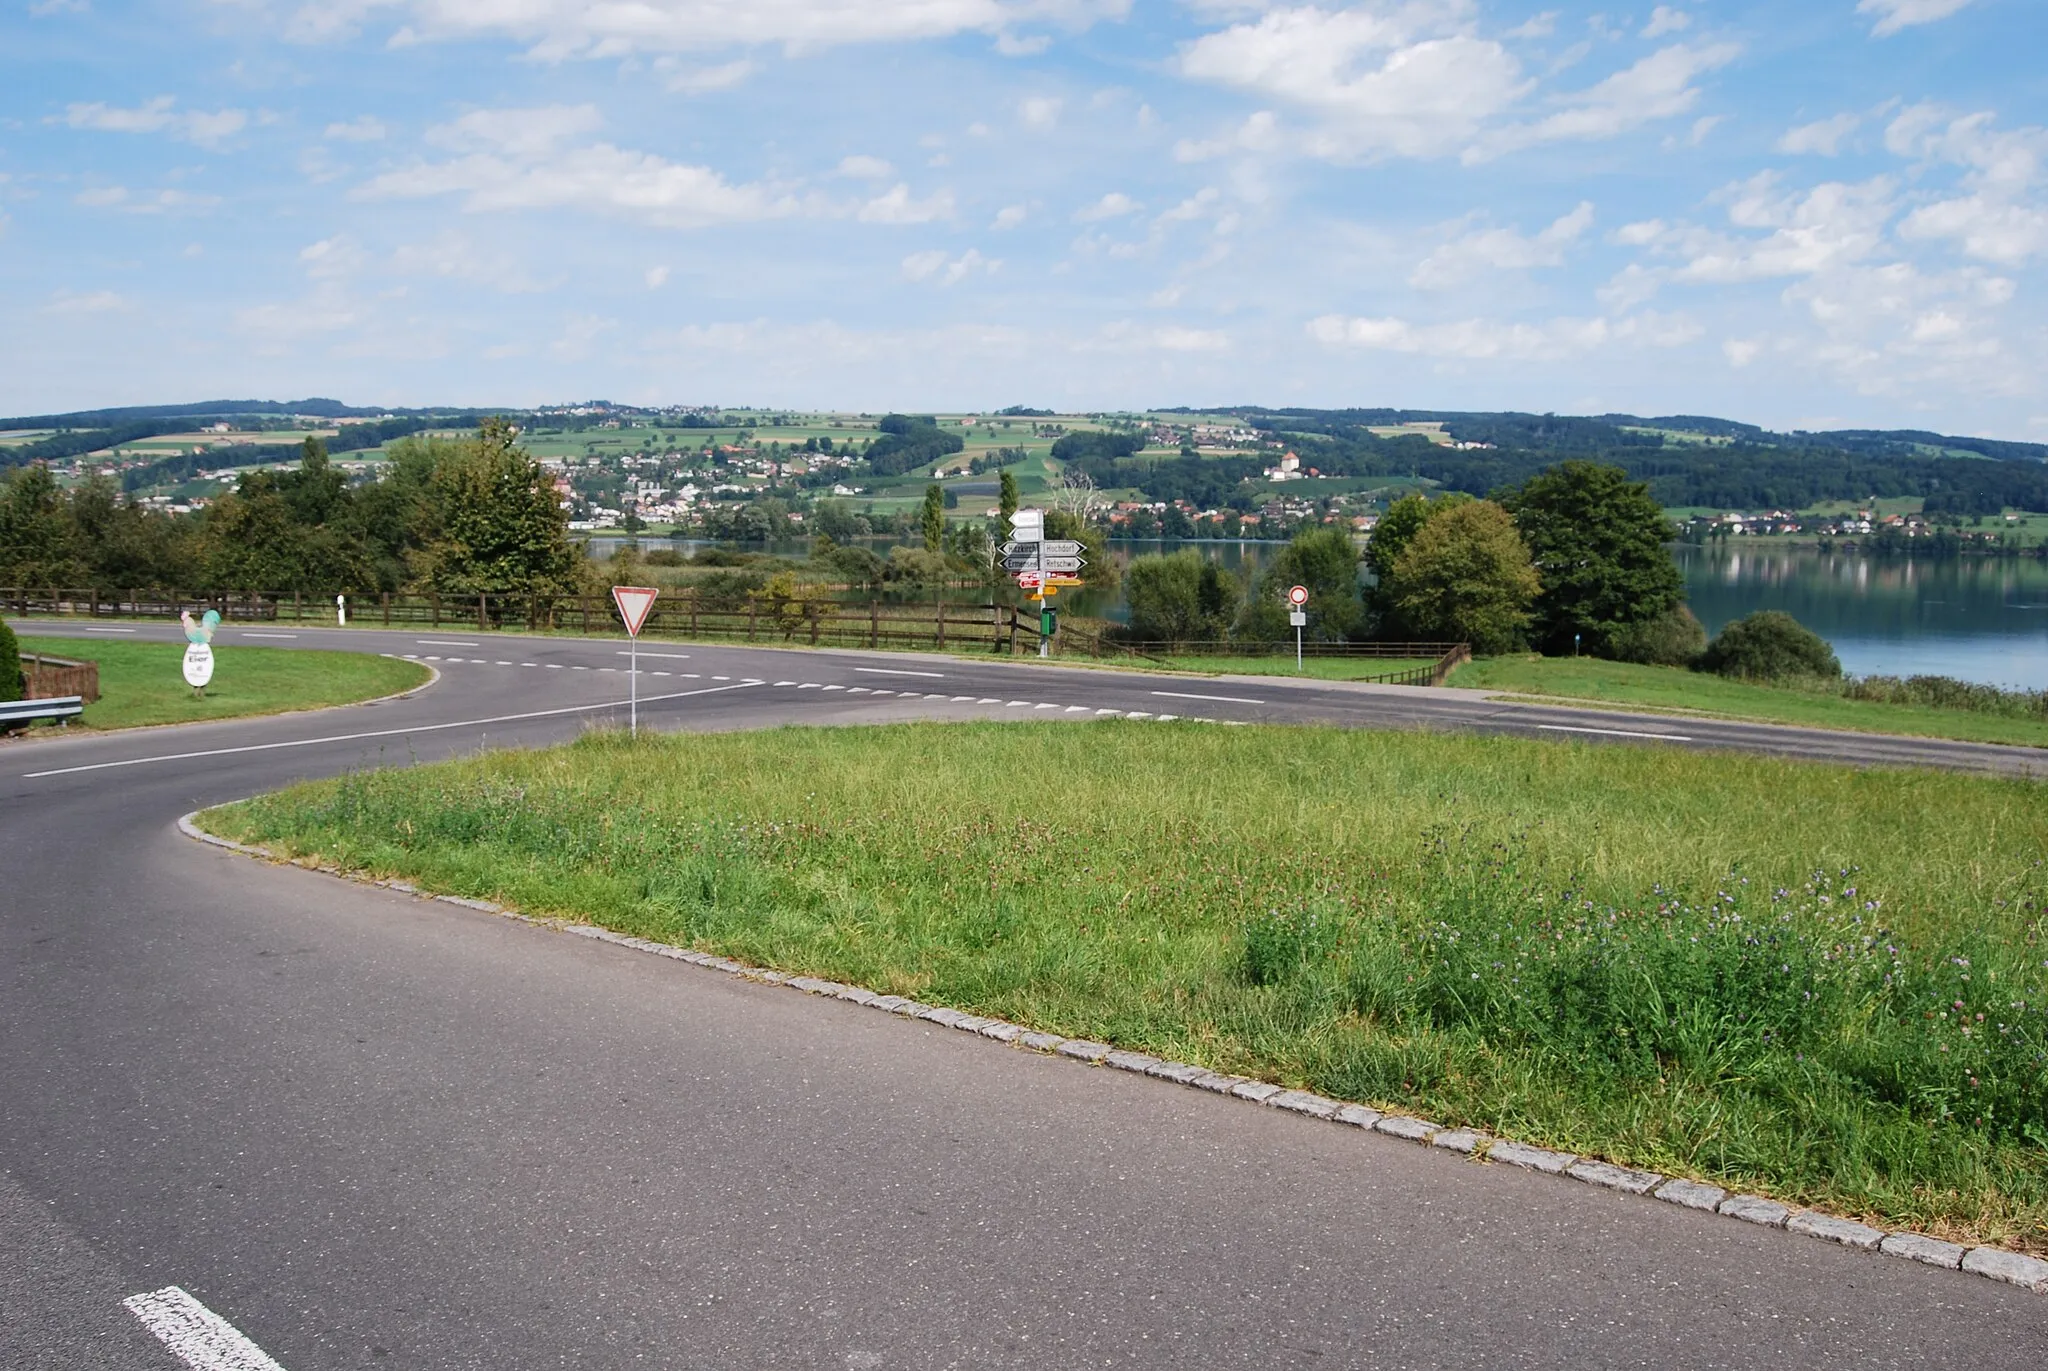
633,603
1041,565
1297,596
199,649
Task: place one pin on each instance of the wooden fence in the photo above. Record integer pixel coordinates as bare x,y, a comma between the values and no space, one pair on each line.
757,617
47,678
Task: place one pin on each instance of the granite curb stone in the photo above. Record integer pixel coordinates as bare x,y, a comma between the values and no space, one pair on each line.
1994,1263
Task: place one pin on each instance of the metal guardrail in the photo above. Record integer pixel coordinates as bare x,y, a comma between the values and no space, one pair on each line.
17,712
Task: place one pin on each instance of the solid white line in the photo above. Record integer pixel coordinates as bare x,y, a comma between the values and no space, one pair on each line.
197,1336
885,671
248,633
445,642
677,656
110,630
1618,732
380,733
1226,699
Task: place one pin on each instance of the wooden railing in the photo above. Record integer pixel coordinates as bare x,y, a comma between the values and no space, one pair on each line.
51,677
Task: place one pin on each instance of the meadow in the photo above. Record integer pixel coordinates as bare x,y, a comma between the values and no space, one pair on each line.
1823,983
142,683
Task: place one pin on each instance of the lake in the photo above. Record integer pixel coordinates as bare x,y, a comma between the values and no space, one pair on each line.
1974,618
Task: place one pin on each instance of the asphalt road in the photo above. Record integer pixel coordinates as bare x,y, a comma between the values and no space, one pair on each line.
375,1131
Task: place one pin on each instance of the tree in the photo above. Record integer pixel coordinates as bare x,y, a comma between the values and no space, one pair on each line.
1006,482
934,519
11,682
1466,576
1770,645
502,527
37,542
1325,560
1180,598
1599,544
1402,521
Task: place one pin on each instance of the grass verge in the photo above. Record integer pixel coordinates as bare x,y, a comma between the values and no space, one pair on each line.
1282,664
141,683
1674,688
1820,982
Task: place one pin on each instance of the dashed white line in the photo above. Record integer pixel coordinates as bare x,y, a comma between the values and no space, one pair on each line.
859,690
1016,704
671,656
1618,733
1077,709
810,685
504,664
110,630
886,671
721,678
1137,714
835,687
250,633
444,642
195,1335
1044,706
554,666
1226,699
959,698
1109,711
988,700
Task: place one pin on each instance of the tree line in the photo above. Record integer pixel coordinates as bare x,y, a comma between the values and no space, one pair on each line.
460,516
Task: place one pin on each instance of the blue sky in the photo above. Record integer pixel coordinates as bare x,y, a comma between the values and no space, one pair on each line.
1805,213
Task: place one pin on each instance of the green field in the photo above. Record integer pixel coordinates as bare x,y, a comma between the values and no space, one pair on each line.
1818,981
141,683
1663,688
1314,668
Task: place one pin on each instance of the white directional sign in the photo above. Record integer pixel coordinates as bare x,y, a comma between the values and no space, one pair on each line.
1028,525
633,603
1051,547
1043,564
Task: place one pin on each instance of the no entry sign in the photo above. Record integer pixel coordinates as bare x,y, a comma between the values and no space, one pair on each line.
1297,595
633,603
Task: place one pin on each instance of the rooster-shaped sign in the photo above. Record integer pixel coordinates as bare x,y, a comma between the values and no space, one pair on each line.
199,652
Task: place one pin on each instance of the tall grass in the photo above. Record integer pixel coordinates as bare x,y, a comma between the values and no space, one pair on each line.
1822,982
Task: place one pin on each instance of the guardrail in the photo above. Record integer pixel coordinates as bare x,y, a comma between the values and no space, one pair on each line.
21,713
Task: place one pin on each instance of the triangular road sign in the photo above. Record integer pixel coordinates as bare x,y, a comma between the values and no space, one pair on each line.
633,603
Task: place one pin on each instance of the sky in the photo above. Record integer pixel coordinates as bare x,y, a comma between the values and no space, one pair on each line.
1799,213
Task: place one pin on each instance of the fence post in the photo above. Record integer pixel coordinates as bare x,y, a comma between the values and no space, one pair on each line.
434,599
387,608
482,610
585,601
812,607
942,622
94,611
874,622
693,612
752,606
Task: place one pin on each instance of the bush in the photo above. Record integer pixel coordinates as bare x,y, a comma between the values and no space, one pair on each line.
1946,692
11,682
1180,598
1465,576
1770,645
1673,638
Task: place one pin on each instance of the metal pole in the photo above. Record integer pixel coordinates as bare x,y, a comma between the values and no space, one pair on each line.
1044,640
633,674
1297,649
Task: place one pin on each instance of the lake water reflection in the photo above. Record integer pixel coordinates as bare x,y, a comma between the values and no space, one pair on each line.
1976,618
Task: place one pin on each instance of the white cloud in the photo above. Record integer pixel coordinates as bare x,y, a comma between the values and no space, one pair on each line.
366,128
1114,205
898,206
1639,233
454,256
657,277
1660,86
161,202
92,302
42,9
936,267
706,80
1984,228
1125,336
1259,132
1665,19
101,197
1501,249
1894,15
1536,26
511,159
1823,137
863,168
557,29
579,331
1830,226
1409,81
2000,217
1468,340
1039,111
1740,352
1009,216
158,116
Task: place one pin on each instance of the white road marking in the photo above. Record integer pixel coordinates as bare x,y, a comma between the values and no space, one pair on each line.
1137,714
574,667
721,678
1162,718
858,690
884,692
1044,706
1618,732
672,656
1016,704
251,633
1077,709
197,1336
835,687
383,732
958,698
885,671
785,683
110,630
988,700
1109,711
431,657
554,666
1226,699
504,664
445,642
658,673
810,685
529,664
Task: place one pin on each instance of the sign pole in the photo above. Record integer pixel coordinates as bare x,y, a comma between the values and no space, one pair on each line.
633,689
634,602
1297,614
1044,638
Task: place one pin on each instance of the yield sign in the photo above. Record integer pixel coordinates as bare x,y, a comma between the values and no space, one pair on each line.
633,603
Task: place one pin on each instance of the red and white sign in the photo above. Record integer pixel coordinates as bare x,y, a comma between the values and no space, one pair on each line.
634,602
1031,580
1297,595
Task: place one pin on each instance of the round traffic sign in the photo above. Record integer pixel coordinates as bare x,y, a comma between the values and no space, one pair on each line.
1297,595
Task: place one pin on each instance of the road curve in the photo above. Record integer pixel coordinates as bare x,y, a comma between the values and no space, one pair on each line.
374,1131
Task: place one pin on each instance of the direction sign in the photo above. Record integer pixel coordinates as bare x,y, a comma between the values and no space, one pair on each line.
633,603
1027,525
1051,547
1021,563
1297,595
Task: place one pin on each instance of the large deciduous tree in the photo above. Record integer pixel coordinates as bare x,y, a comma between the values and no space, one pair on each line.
1466,576
503,529
1599,541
